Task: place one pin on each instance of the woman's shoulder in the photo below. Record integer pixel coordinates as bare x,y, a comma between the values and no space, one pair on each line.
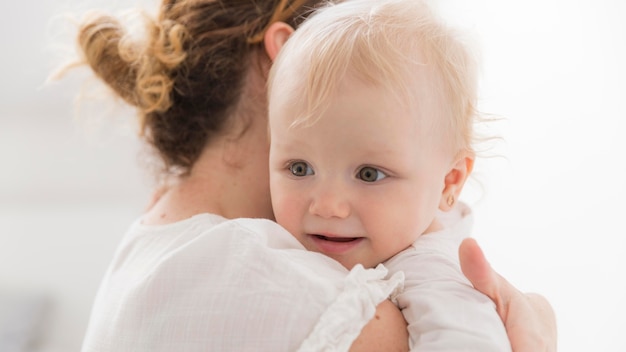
209,225
234,269
243,245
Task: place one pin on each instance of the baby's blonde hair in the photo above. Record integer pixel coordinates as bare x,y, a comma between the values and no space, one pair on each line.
382,42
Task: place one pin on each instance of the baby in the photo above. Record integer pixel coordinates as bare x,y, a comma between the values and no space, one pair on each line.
372,106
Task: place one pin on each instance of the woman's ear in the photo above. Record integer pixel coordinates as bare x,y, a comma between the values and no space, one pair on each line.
275,37
455,179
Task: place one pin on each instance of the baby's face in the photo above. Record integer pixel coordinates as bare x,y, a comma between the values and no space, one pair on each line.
361,183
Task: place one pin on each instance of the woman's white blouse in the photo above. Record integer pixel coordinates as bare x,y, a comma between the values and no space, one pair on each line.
212,284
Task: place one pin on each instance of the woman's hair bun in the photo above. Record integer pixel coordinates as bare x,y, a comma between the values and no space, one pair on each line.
139,74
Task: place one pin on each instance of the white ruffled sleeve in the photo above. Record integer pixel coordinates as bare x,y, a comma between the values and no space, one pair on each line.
344,319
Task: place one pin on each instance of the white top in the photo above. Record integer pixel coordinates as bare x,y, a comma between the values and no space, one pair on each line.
212,284
443,310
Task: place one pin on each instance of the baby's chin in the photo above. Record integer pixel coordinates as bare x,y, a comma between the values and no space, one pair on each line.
351,263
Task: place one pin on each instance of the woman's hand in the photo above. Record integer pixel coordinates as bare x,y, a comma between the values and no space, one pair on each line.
529,319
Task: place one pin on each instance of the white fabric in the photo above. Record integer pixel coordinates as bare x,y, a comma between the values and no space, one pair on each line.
443,310
211,284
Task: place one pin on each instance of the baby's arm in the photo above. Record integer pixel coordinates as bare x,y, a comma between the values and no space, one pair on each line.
385,332
443,311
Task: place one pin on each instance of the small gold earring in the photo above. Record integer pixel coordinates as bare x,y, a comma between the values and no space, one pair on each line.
450,200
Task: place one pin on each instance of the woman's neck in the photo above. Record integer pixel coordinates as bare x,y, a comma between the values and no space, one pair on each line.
231,176
230,179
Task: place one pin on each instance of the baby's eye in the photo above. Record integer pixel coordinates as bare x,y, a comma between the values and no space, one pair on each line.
370,174
300,169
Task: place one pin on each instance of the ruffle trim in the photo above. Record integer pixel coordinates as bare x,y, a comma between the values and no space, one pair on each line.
344,319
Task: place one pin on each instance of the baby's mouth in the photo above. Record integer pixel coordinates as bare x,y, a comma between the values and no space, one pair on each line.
336,239
335,245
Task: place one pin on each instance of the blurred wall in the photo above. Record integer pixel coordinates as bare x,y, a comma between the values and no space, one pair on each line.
70,182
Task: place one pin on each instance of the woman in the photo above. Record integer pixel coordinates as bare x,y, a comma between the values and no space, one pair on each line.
191,274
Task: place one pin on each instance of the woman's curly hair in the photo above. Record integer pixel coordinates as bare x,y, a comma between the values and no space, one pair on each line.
188,74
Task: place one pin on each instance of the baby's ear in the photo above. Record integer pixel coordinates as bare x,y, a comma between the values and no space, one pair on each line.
455,179
275,37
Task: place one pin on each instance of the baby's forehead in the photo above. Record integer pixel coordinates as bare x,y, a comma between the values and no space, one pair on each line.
418,88
415,99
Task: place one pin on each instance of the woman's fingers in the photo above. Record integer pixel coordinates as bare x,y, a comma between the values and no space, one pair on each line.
529,319
476,268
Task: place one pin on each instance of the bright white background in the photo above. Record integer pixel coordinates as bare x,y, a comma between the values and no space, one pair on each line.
548,210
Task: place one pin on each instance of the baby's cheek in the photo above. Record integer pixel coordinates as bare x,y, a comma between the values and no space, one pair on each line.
286,212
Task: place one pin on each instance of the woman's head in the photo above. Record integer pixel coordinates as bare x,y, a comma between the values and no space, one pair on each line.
187,76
